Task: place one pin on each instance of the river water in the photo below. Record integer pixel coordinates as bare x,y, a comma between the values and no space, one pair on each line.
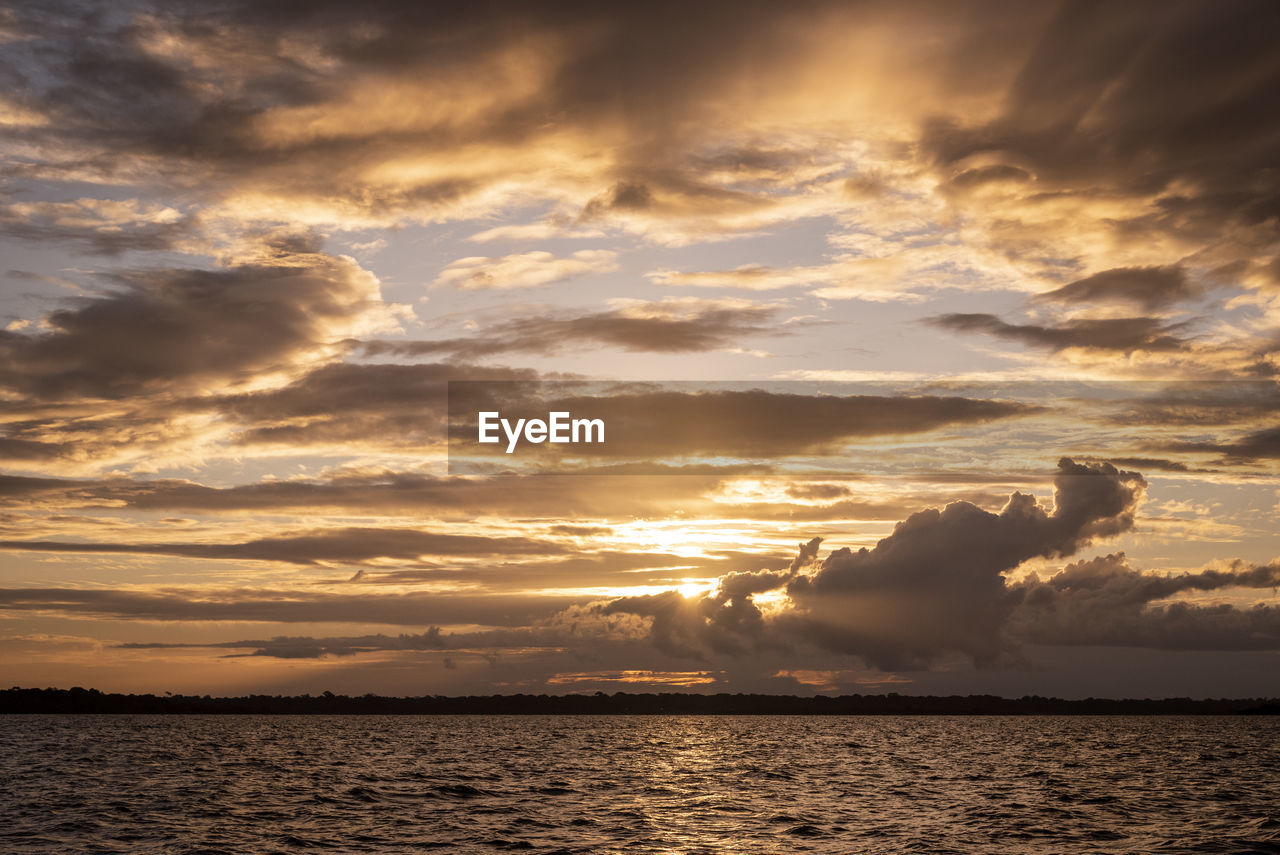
638,784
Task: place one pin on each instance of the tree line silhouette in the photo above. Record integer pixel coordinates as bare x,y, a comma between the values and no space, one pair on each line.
80,700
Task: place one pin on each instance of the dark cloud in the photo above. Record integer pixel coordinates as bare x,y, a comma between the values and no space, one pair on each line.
932,588
1233,402
336,546
12,448
418,609
818,492
623,196
1097,102
297,647
511,496
354,403
652,327
726,621
1116,334
1148,288
188,330
1258,445
308,104
107,91
653,424
935,585
736,589
582,530
1104,601
96,225
1157,463
1107,104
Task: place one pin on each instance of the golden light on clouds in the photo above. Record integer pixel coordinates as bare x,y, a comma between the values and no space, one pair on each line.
933,336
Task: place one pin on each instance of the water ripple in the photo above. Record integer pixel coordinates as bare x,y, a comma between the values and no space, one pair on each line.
636,784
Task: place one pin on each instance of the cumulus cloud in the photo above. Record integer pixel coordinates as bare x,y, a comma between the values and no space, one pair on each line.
725,621
936,586
1104,601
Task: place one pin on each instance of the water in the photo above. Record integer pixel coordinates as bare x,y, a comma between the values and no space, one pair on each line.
260,784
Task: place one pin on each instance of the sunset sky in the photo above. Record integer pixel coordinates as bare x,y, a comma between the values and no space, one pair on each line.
939,342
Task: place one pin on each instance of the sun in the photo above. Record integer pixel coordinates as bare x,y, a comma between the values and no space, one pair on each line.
693,588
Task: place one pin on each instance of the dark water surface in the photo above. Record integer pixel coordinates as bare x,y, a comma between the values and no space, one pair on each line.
634,784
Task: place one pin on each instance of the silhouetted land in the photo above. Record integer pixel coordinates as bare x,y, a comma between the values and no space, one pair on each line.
79,700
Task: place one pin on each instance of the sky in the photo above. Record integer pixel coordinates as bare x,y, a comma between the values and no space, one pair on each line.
937,344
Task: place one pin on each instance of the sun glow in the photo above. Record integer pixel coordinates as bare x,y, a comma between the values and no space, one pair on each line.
692,589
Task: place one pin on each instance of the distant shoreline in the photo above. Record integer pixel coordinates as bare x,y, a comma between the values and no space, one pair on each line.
92,701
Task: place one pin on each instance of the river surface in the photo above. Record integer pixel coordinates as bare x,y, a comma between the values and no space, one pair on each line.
638,784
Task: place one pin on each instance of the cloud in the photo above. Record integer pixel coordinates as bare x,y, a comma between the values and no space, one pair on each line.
1234,402
982,176
149,371
338,119
1074,152
376,492
935,588
190,330
659,426
104,226
346,119
730,122
414,608
352,405
935,585
338,546
666,326
29,450
295,647
526,270
1108,334
1138,155
1149,105
725,621
1104,601
847,277
1157,463
1260,444
1148,288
